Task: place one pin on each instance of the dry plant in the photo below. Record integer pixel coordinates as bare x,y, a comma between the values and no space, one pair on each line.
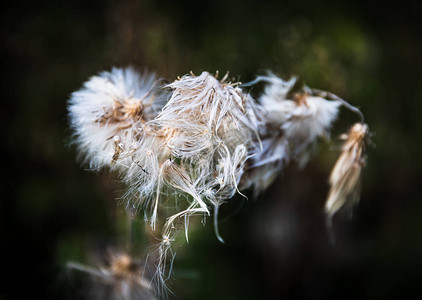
345,176
195,143
122,277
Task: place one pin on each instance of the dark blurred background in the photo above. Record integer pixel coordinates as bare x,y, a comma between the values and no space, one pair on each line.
277,246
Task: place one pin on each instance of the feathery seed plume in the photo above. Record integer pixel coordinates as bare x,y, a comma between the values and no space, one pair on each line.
103,115
291,125
346,173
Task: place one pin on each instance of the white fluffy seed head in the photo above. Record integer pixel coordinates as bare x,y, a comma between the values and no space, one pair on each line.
203,110
108,108
205,99
210,119
301,117
346,173
291,123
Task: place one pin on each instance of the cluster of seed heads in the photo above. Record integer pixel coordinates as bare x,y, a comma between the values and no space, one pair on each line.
198,141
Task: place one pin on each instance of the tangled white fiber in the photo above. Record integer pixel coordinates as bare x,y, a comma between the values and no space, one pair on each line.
196,142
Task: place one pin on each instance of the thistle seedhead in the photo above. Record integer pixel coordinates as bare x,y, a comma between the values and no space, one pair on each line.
346,173
122,277
292,121
206,113
110,107
300,116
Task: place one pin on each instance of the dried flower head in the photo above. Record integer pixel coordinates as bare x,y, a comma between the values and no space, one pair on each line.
345,176
122,277
292,122
103,114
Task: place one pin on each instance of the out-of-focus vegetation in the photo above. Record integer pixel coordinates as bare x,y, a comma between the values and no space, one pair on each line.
277,246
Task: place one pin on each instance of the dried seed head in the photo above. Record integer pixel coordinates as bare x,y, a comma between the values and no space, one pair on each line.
112,104
123,277
345,176
291,123
205,100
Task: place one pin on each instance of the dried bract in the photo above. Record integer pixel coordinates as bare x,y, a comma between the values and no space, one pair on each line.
346,174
